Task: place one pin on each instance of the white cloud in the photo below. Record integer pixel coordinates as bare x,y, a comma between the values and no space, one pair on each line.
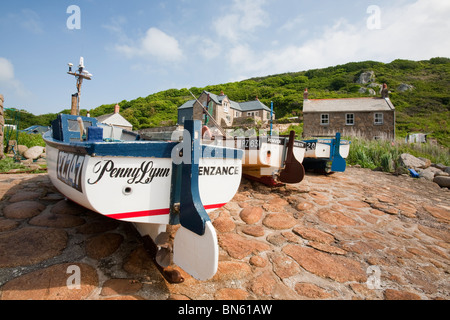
6,70
8,80
409,31
244,17
155,44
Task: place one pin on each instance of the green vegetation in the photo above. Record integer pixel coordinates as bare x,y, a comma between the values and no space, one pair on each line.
425,108
29,140
8,164
384,155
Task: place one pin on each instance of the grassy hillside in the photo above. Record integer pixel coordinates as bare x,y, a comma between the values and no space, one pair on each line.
425,108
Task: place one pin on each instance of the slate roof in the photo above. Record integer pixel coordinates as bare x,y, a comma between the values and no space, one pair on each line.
348,105
114,119
239,106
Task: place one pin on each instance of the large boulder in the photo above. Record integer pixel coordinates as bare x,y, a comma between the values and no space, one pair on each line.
34,152
405,87
366,77
442,181
411,162
429,173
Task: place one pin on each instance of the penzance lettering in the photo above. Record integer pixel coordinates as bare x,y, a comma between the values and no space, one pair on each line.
218,171
137,175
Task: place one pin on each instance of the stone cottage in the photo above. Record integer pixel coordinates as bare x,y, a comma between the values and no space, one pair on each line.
226,112
370,118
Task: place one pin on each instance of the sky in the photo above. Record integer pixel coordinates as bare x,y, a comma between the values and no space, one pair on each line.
135,48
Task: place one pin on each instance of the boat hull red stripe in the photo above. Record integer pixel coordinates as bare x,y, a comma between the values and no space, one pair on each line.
153,213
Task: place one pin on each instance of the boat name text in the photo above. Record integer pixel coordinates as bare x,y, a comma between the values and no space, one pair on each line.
218,171
137,175
69,169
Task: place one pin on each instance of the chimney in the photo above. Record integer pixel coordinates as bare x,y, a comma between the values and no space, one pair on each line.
117,108
385,91
222,93
257,99
305,94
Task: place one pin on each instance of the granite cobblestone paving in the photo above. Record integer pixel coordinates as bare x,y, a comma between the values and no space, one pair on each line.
349,236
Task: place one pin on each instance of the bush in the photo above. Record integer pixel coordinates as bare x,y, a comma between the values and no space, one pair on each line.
29,140
385,154
8,164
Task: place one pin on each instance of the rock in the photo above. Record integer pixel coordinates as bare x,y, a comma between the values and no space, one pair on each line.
338,268
258,261
447,170
283,266
254,231
427,162
279,221
25,195
312,291
405,87
239,247
52,283
28,246
68,207
120,287
439,166
139,262
391,294
438,212
442,181
103,245
23,209
335,218
22,149
251,215
264,284
229,294
305,206
232,270
366,77
428,173
34,152
411,162
224,224
314,235
7,225
49,219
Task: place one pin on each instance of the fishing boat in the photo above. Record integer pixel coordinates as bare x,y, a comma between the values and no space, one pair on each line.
270,159
151,184
273,160
326,155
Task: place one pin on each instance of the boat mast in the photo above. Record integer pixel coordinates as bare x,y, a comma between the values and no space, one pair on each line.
80,75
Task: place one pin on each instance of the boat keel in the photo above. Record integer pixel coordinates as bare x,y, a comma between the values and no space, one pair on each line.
293,171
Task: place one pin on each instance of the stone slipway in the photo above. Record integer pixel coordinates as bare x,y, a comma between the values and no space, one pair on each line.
353,235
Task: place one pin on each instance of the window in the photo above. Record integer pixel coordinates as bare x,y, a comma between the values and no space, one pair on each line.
379,118
225,107
349,119
325,119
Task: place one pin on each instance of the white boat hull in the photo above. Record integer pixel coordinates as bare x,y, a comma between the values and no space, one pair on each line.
321,150
136,189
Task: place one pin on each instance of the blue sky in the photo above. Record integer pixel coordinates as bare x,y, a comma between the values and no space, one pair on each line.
135,48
